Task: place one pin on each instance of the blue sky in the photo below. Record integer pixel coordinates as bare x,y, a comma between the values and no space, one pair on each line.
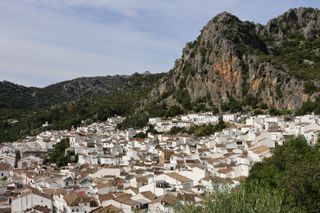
46,41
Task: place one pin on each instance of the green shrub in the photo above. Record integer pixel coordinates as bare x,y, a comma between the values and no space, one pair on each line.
174,111
175,130
307,107
274,112
140,135
183,97
310,88
59,156
207,129
256,199
293,170
215,110
286,182
233,106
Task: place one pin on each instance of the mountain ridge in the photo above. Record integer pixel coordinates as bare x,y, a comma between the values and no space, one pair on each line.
233,59
23,97
63,109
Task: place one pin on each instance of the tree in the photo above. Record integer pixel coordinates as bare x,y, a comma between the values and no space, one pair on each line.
174,111
294,170
310,88
307,107
274,112
183,97
140,135
207,129
256,198
215,110
59,155
152,130
175,130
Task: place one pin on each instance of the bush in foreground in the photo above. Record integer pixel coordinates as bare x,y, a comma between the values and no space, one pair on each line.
255,199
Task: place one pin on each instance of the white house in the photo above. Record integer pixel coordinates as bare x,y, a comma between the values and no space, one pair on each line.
163,204
258,153
29,198
75,202
5,170
229,117
29,162
106,171
241,170
195,174
153,121
178,181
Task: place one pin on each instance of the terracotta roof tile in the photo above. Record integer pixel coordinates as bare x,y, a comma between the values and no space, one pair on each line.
149,195
178,177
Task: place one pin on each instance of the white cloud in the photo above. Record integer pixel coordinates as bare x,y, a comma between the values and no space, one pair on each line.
51,47
44,41
126,7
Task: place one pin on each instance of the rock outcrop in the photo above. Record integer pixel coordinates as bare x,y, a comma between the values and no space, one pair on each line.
227,62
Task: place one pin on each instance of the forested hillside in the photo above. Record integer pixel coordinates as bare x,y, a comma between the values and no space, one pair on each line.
123,100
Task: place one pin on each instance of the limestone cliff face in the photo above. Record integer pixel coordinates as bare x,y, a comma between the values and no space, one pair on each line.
226,62
304,21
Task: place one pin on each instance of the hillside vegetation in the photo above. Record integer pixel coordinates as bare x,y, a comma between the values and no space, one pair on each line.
287,182
123,101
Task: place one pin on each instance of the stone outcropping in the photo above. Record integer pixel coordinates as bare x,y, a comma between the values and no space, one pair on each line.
225,62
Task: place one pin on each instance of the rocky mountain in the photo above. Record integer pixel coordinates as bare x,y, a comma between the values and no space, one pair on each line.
243,63
274,65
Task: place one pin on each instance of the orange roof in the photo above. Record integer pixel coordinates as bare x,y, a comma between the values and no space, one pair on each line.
260,149
179,177
225,170
5,166
149,195
107,209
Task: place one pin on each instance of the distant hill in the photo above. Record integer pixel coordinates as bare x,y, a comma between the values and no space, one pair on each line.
69,103
17,96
